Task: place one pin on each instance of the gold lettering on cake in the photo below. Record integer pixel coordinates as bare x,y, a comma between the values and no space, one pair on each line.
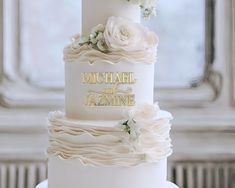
113,95
108,78
110,100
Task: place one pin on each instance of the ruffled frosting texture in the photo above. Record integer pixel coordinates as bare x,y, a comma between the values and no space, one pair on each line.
105,143
86,53
120,40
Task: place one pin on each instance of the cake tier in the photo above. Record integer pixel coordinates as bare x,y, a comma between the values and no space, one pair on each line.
142,137
103,90
129,153
73,174
94,13
168,185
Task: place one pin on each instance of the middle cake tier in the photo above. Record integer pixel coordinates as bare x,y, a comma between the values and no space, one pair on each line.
103,89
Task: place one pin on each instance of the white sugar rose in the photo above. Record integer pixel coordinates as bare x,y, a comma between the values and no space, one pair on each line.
124,35
98,28
144,112
102,46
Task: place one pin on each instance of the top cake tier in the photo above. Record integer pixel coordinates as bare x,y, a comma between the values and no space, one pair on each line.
96,12
110,67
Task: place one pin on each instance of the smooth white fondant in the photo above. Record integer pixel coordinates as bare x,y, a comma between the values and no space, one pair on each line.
105,143
45,185
76,91
72,174
97,12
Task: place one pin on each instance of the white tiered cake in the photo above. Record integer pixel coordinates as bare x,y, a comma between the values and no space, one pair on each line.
112,134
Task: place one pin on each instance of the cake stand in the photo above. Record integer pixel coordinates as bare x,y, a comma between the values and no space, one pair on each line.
44,185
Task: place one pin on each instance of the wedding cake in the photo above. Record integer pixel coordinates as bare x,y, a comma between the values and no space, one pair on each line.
112,134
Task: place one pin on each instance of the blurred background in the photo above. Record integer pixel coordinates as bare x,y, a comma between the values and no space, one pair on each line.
194,79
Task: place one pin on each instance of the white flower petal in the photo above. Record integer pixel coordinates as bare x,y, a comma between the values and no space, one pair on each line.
124,35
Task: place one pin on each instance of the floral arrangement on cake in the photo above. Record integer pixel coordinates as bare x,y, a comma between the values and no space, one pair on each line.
148,7
138,117
142,136
119,34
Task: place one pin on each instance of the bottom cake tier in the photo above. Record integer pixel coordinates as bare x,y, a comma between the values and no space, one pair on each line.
129,153
73,174
168,185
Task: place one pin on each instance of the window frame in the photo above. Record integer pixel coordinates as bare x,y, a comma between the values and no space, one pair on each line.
1,41
233,54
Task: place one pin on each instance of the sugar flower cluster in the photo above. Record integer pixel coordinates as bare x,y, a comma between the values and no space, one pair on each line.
138,117
119,34
148,7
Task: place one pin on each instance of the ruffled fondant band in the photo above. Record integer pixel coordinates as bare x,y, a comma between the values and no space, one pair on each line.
86,53
104,143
